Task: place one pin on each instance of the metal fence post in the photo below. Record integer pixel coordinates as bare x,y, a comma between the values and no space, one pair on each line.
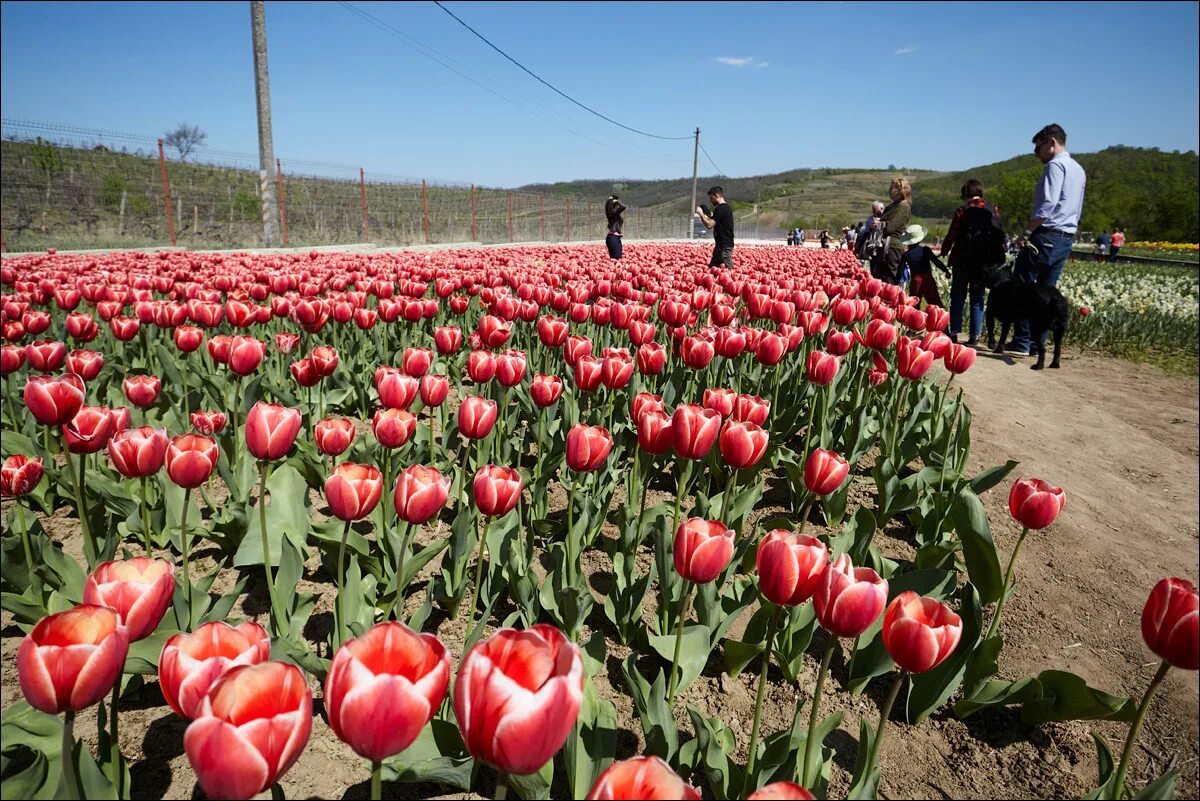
362,183
424,211
510,223
568,219
474,238
162,162
542,221
282,203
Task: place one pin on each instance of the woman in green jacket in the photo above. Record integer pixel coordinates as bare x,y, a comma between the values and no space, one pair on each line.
895,218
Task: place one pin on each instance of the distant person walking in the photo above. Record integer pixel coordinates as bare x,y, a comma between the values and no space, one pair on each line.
1057,204
825,238
918,261
1102,243
895,218
721,224
974,242
851,238
613,210
1118,242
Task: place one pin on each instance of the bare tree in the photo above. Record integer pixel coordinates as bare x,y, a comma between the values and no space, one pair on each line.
185,138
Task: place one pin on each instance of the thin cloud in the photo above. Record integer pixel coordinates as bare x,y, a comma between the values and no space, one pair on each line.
904,51
740,61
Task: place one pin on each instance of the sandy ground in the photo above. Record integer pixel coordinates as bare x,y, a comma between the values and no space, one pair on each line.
1120,438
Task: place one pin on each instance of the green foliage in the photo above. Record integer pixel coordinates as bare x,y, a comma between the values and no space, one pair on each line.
46,158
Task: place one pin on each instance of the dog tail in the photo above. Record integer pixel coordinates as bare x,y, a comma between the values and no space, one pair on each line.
1062,312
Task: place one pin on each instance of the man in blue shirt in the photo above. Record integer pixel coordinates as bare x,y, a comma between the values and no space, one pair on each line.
1057,204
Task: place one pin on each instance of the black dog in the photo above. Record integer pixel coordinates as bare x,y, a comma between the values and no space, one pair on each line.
1011,300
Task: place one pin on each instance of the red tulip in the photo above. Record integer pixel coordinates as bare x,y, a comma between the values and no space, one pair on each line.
517,697
82,326
770,349
393,427
822,367
959,358
271,429
11,358
139,590
789,566
191,663
587,447
510,368
781,791
496,490
219,347
576,348
253,725
138,452
720,400
848,598
644,777
824,472
420,494
188,338
654,432
246,354
838,343
89,430
616,371
476,416
545,389
396,390
433,389
493,331
587,373
448,339
124,328
730,343
305,372
742,444
912,361
333,435
47,356
84,363
352,490
703,549
325,359
191,459
287,342
879,370
694,430
383,687
552,331
697,353
644,402
1169,622
651,358
751,409
208,422
19,475
936,319
121,417
1035,503
71,659
142,390
919,633
481,366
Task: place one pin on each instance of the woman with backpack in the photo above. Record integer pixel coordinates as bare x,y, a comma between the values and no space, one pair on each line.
975,241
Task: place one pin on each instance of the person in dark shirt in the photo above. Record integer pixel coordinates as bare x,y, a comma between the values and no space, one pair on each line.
613,209
721,224
918,261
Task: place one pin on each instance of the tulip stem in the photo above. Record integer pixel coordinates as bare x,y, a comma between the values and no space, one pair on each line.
570,528
115,741
478,576
376,780
758,700
341,619
501,786
1135,728
1008,573
812,410
814,713
805,511
680,487
184,543
34,580
727,500
236,408
81,510
70,775
266,547
687,605
146,519
400,584
884,713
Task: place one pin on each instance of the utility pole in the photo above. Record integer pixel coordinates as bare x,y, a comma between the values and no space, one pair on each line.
695,175
266,149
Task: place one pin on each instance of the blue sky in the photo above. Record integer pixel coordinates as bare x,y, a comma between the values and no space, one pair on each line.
772,86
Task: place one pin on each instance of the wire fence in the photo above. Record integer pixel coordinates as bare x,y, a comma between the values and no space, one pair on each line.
70,188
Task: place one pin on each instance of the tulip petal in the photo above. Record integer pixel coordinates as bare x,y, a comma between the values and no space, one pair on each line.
533,729
226,764
382,717
36,683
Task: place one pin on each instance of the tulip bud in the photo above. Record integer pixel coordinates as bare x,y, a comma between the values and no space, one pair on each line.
393,427
644,777
420,494
545,389
824,472
139,590
742,444
496,490
1035,503
703,549
70,660
396,390
517,697
822,367
138,452
1169,622
191,459
789,566
958,358
333,435
587,447
720,400
141,390
849,599
751,409
245,355
191,663
476,416
919,633
694,430
271,429
433,389
325,359
54,401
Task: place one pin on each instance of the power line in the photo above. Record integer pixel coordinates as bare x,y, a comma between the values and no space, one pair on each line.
550,86
713,163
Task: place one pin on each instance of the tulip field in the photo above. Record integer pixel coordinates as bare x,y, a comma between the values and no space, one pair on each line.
515,522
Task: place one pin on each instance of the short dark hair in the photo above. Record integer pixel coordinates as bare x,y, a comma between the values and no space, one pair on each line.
613,197
972,188
715,190
1053,130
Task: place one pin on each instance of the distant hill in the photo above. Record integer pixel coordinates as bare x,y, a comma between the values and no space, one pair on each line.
1153,195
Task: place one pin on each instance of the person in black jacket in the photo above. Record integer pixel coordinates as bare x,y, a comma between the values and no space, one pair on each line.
613,209
721,224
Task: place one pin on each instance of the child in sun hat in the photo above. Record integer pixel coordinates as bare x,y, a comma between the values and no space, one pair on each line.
918,263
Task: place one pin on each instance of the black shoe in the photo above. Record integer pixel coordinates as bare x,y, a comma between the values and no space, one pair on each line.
972,343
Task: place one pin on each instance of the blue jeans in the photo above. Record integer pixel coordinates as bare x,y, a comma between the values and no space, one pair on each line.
961,284
1043,268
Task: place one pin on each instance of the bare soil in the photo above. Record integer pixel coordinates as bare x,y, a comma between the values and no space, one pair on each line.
1120,438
